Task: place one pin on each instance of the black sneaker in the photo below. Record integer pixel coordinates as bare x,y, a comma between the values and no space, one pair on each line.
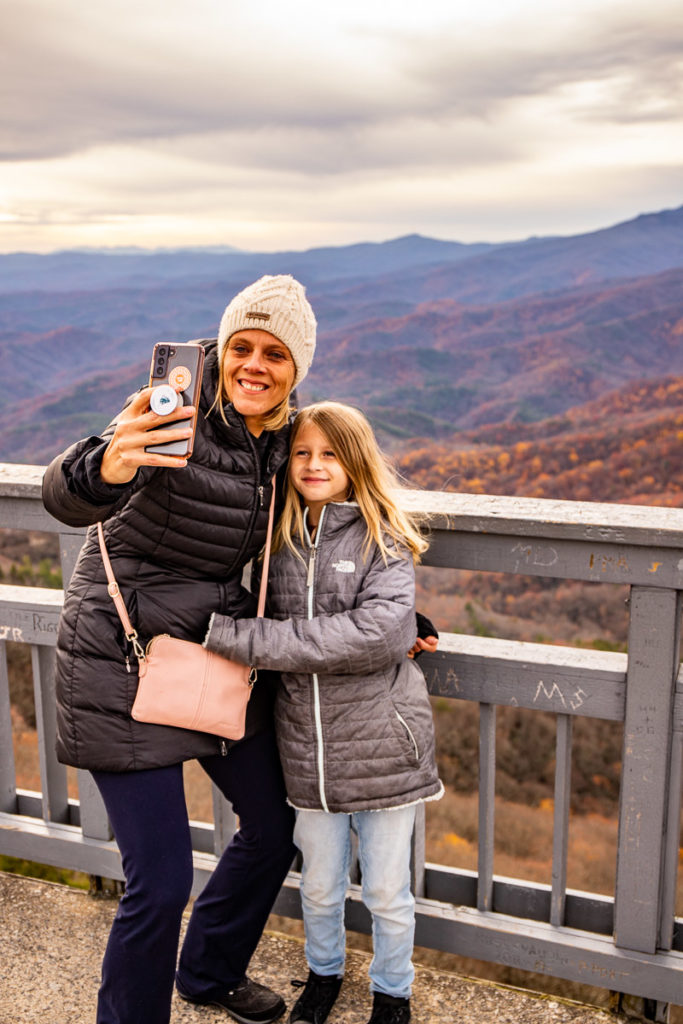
316,1000
248,1002
389,1009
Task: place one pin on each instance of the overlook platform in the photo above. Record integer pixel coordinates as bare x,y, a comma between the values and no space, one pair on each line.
52,939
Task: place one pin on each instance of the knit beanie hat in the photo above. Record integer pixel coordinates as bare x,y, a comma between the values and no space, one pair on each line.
278,305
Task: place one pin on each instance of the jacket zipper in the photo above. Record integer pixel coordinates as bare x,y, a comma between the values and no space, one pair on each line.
223,747
248,532
259,491
316,685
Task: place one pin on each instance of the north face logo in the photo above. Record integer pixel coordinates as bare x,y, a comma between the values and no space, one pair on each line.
344,566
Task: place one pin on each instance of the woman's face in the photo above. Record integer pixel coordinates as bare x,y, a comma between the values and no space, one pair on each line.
258,374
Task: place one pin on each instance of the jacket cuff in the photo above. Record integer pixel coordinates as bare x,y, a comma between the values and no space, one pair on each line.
205,642
215,639
82,474
100,491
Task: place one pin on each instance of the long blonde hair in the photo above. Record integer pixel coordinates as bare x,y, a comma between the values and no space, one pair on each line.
372,481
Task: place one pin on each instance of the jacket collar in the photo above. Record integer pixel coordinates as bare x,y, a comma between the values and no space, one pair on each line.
335,516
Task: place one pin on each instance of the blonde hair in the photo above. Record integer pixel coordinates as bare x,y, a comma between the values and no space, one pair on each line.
276,419
372,482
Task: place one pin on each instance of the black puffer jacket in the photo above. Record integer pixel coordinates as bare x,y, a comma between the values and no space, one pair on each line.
178,541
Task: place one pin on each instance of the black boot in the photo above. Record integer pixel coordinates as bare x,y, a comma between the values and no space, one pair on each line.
389,1009
317,998
248,1002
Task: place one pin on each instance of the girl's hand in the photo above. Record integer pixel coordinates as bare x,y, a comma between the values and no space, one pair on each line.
426,643
135,428
427,636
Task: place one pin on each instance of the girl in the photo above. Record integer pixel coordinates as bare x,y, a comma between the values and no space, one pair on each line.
353,719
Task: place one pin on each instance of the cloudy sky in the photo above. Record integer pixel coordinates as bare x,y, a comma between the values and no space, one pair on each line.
294,123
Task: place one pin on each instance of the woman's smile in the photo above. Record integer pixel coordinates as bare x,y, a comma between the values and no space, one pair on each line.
258,373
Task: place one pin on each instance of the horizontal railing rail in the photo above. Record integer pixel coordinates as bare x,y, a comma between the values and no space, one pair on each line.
630,941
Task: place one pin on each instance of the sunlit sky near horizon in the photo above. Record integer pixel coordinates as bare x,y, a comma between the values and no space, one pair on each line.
287,125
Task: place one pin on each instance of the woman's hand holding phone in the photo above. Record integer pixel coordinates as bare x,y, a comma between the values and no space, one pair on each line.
147,433
137,428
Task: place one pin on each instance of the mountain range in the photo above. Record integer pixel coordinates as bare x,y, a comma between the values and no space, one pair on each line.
428,337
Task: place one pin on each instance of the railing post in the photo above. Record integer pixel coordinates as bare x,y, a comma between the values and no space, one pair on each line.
224,821
563,770
673,819
52,774
651,675
487,795
70,545
671,853
8,789
94,821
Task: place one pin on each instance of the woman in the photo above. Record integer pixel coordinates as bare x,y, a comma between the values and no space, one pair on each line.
179,534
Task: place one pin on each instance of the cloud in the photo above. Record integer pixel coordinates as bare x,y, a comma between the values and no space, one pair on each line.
234,90
636,56
78,76
292,123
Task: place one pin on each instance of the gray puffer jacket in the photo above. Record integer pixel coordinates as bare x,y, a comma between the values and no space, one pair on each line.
353,718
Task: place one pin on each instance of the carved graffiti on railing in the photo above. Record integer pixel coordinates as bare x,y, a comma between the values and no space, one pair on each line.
444,686
606,533
43,624
574,699
11,633
604,562
607,974
533,554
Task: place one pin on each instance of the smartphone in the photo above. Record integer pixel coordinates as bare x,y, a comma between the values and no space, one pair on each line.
179,366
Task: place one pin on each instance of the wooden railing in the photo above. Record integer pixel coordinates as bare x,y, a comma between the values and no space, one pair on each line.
631,941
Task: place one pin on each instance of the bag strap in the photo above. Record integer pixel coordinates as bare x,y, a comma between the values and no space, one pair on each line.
115,593
266,556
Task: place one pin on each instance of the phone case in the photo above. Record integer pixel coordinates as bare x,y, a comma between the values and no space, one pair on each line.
176,365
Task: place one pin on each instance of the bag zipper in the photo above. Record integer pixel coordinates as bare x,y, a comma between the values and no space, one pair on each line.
148,648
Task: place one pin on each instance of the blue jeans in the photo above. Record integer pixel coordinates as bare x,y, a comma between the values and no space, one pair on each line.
384,855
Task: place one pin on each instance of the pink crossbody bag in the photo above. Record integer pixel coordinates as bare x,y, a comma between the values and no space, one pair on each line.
183,684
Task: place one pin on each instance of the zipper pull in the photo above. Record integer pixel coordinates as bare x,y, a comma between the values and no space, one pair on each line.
311,569
224,748
260,495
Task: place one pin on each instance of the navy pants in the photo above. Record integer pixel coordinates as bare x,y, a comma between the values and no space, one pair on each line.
149,818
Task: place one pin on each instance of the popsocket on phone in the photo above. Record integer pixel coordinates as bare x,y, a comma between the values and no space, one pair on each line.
164,400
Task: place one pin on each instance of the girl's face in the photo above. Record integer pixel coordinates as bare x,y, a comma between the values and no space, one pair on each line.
315,471
258,373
